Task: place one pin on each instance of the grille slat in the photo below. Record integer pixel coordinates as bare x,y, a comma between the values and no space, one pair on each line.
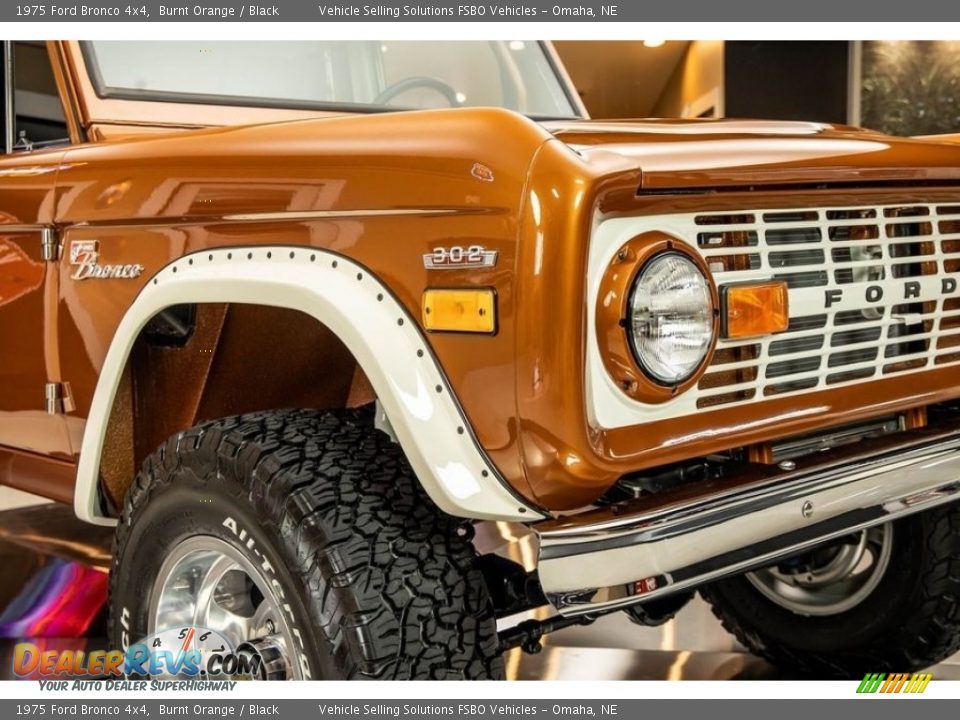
707,250
742,365
870,296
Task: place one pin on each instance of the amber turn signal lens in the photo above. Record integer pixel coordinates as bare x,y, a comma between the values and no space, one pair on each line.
459,311
751,310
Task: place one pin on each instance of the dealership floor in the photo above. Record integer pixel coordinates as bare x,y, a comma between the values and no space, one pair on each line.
52,586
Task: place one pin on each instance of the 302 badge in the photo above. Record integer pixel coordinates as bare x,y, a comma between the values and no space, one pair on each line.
186,652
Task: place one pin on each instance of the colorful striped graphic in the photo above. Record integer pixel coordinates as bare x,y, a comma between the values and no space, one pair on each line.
61,600
894,683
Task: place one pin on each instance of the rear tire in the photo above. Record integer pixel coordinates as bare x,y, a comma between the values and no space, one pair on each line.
373,580
908,619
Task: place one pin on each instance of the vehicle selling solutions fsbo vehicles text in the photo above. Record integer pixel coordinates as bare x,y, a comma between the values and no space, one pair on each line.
498,11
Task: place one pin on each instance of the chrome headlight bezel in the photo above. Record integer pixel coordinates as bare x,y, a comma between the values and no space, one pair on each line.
692,291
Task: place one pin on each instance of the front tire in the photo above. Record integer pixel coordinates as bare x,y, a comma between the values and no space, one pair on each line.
308,529
899,612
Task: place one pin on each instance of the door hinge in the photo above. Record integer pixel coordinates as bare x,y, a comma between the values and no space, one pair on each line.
58,398
49,244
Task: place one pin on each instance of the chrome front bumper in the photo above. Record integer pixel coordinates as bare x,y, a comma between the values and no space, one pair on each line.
636,551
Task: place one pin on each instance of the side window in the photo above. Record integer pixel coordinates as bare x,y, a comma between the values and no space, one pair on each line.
39,120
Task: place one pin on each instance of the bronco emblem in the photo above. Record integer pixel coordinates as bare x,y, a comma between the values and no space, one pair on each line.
85,255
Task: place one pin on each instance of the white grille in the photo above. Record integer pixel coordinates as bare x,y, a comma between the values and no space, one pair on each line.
904,258
873,293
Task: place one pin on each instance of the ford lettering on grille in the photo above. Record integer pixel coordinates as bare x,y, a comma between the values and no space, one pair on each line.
873,293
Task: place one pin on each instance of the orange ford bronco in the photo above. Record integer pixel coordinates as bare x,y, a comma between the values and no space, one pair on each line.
297,318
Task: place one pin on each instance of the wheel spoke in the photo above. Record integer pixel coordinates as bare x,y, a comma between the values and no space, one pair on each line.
236,627
207,586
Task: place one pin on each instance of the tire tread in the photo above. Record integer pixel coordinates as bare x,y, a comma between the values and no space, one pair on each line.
925,630
387,578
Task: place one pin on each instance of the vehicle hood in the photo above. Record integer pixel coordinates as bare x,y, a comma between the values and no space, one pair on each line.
676,154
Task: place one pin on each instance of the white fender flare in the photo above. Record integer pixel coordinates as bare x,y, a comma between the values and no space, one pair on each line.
386,342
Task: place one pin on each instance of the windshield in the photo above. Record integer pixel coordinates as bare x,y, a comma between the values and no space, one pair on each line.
353,76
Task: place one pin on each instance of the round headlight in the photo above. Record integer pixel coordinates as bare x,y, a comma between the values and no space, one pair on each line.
671,318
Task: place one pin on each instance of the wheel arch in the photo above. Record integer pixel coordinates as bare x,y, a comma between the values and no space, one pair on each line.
359,310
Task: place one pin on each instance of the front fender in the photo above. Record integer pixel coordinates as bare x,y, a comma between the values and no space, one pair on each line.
386,342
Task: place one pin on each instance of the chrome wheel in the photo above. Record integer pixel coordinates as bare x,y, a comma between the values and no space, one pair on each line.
205,582
832,579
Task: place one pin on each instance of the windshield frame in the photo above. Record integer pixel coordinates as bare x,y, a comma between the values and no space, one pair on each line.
110,93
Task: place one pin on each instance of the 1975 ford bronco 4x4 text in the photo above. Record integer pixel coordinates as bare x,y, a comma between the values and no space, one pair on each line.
296,346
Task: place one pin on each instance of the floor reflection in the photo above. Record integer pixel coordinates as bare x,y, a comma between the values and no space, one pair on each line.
692,646
53,587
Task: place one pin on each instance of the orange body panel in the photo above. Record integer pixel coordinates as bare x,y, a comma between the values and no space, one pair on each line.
387,189
28,351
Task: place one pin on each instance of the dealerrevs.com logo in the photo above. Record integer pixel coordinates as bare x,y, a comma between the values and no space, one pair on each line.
895,683
182,653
